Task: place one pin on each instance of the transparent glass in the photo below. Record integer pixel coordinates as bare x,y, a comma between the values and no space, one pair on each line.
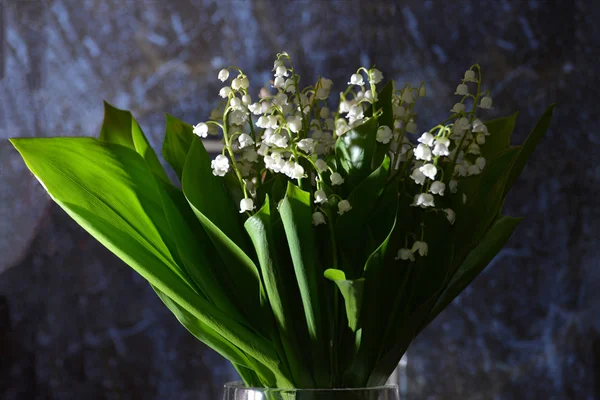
237,391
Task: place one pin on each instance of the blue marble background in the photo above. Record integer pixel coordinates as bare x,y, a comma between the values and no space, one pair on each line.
75,323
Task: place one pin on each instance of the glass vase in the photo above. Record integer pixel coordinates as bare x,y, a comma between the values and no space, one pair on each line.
237,391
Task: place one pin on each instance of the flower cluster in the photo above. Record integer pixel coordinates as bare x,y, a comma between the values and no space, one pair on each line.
292,131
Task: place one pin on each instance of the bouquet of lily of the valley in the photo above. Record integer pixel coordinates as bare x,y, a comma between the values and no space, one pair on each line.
322,240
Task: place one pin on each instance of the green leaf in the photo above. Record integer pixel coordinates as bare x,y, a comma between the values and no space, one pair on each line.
215,211
296,215
491,244
527,148
110,191
352,291
499,139
377,304
354,152
178,139
279,288
203,332
197,253
350,228
120,127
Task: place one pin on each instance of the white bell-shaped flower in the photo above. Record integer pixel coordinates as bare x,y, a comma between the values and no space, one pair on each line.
429,170
255,108
441,147
425,200
470,76
250,155
486,103
201,130
462,90
460,170
278,82
473,149
225,92
420,247
343,207
438,188
295,123
453,185
399,111
450,215
245,140
318,218
262,150
238,117
306,145
320,197
480,162
356,79
422,152
281,71
223,75
473,170
458,108
336,179
411,127
220,165
427,139
405,254
407,96
321,165
384,134
324,112
375,75
418,176
246,205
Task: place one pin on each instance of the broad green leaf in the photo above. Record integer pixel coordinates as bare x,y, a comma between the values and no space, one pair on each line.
376,305
215,211
204,333
350,228
354,152
527,148
500,131
296,215
178,139
120,127
352,291
111,192
197,253
279,289
493,241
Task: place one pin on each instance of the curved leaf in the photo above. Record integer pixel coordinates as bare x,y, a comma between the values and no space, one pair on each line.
178,139
110,191
527,148
296,215
493,241
214,209
350,227
120,127
354,152
352,292
500,130
279,289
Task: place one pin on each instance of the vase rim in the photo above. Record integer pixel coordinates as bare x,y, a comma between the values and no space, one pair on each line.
241,385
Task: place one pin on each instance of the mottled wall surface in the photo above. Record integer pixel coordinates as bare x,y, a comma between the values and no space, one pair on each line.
75,323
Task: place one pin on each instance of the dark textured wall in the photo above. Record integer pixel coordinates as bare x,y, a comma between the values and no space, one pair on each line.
75,323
